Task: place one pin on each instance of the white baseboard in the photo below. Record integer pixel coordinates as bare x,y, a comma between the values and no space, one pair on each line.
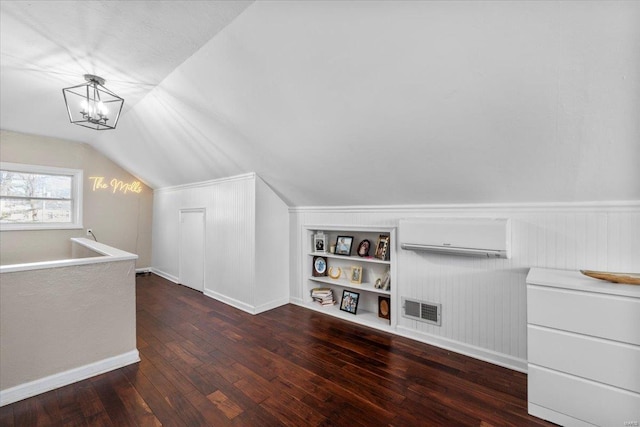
167,276
231,301
228,300
244,306
271,305
479,353
297,301
143,270
42,385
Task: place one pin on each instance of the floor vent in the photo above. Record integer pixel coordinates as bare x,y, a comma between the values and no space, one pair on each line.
423,311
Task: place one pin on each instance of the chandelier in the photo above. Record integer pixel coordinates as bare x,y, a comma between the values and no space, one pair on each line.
92,105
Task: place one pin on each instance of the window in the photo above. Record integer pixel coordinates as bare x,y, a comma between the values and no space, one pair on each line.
39,197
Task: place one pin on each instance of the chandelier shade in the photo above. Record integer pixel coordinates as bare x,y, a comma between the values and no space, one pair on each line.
92,105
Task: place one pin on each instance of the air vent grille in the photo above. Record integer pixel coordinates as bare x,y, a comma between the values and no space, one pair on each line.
423,311
412,308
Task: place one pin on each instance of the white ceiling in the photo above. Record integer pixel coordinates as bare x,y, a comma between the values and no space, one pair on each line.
346,103
49,45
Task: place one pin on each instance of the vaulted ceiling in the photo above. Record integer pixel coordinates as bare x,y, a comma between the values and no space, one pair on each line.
346,102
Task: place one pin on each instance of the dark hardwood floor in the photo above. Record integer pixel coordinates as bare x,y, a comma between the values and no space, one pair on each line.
205,363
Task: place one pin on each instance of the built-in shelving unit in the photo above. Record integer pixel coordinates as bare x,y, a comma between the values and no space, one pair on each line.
372,269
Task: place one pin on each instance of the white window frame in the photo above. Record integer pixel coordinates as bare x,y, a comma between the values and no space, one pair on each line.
76,197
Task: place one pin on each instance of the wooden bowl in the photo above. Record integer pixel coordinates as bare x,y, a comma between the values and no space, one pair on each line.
626,278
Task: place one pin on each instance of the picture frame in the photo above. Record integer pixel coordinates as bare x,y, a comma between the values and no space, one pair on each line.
384,307
343,245
363,248
349,302
382,247
356,275
320,242
319,268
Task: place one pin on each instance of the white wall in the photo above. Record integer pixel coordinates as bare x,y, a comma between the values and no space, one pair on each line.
484,300
246,223
272,249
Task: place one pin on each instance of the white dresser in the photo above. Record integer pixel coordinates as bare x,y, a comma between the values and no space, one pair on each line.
583,339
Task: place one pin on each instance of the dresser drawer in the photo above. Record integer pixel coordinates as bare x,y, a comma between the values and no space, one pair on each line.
600,315
609,362
582,399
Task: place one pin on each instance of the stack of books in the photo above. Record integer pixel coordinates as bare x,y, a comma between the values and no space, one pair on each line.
323,296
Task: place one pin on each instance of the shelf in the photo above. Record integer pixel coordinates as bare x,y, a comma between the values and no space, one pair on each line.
351,228
364,286
366,318
351,258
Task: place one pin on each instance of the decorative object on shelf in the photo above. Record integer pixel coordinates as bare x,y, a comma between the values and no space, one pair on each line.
333,274
349,301
92,105
382,247
624,278
363,248
384,282
356,275
343,245
320,242
384,307
319,266
322,295
332,249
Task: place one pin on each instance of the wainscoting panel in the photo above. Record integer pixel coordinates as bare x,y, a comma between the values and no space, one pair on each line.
484,300
230,228
246,254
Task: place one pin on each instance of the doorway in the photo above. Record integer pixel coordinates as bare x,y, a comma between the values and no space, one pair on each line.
191,251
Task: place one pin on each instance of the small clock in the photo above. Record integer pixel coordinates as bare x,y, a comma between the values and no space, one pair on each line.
319,266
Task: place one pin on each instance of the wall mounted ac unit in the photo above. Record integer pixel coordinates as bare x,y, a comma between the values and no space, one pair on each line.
485,237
